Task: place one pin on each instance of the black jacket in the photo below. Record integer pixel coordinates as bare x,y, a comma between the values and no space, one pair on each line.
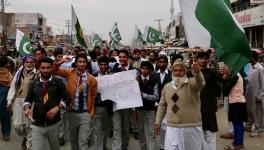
117,69
56,92
148,88
209,92
166,80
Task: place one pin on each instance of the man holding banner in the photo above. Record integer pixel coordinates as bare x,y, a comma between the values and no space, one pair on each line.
121,117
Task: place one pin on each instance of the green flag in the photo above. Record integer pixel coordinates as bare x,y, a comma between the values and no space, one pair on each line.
138,41
76,28
152,35
227,35
23,45
210,23
115,34
115,37
97,41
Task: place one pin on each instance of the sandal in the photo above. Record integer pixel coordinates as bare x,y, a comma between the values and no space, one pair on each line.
231,147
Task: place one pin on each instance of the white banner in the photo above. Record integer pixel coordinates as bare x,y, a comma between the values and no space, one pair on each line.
122,88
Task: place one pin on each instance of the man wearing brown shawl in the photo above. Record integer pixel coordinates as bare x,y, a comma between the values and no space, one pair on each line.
5,81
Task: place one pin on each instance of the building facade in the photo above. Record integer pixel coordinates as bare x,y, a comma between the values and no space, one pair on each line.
250,14
32,24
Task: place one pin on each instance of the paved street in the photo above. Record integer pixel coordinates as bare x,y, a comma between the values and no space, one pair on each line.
250,143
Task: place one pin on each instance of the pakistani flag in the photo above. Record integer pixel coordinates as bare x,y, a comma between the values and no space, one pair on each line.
152,35
138,41
23,45
210,23
76,28
115,37
97,41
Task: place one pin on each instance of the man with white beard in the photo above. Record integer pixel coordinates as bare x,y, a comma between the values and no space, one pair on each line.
180,103
16,97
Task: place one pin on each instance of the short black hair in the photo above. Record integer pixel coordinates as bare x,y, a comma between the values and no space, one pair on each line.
254,55
143,50
176,56
163,57
103,59
124,52
3,61
92,55
111,52
77,47
42,50
131,58
81,56
58,51
97,47
45,60
204,55
147,64
112,59
156,55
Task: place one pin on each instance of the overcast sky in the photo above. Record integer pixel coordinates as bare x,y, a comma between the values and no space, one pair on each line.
99,15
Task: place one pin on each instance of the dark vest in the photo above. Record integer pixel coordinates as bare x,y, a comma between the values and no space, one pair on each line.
117,69
148,88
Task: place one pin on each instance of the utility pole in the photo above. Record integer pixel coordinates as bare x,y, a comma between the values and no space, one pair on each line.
69,34
159,20
172,11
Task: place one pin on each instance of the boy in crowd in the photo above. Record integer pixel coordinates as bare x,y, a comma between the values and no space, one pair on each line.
148,85
102,112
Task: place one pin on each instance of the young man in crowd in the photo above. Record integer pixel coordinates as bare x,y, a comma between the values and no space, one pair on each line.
82,88
16,97
153,56
255,96
180,103
163,74
48,95
164,77
5,115
103,109
58,56
144,54
137,58
208,99
148,85
39,53
121,117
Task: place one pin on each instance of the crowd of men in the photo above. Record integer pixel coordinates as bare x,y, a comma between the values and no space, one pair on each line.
51,95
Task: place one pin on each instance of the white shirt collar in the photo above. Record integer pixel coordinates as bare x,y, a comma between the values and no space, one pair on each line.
99,74
256,65
142,77
83,75
127,67
166,71
41,80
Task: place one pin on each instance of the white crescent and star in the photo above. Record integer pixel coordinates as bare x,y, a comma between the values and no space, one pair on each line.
25,48
151,35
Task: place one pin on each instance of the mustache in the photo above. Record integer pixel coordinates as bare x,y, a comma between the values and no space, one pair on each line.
29,68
